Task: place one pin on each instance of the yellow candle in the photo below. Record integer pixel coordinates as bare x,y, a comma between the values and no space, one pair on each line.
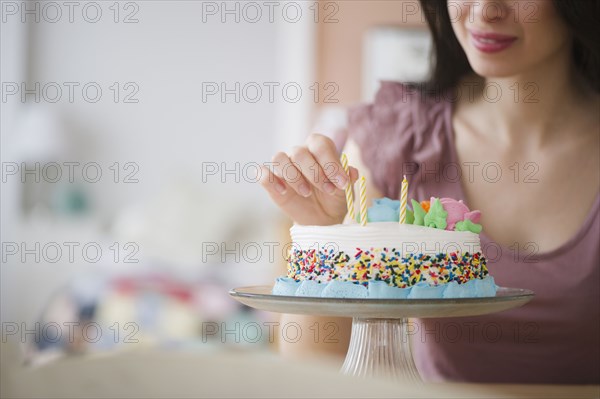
403,199
363,201
349,192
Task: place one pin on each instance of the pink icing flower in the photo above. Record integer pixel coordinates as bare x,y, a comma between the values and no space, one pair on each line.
458,211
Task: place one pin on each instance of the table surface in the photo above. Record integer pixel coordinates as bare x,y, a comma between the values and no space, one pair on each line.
153,373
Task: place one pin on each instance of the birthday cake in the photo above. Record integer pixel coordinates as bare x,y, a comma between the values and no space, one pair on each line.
434,253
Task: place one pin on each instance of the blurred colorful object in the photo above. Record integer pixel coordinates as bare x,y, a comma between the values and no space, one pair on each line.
93,314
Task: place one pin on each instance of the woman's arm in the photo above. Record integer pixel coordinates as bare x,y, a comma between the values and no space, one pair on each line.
319,336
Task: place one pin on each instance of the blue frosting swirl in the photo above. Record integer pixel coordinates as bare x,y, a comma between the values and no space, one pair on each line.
285,286
423,290
344,289
476,288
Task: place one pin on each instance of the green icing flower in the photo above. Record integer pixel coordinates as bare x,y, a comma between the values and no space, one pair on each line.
357,217
436,217
410,216
418,213
467,225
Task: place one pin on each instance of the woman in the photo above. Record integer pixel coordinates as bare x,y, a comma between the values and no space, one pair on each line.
510,123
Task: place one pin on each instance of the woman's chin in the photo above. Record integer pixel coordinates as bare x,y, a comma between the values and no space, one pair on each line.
496,70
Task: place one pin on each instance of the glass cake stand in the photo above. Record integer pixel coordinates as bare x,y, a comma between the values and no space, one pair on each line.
379,342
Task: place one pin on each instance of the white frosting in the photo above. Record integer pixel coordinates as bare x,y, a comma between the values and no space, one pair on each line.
406,238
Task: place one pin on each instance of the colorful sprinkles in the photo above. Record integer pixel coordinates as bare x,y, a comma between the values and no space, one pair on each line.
386,265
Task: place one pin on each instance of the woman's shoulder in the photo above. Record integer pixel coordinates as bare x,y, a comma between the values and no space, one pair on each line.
413,96
391,92
399,108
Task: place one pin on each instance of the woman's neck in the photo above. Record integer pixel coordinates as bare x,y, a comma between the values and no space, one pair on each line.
535,106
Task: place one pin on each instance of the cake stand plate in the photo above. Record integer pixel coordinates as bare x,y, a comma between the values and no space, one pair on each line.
260,297
380,339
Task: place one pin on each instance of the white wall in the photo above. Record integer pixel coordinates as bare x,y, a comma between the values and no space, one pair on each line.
13,62
168,54
170,132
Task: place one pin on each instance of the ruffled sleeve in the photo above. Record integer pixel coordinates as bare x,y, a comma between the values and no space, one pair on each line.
399,133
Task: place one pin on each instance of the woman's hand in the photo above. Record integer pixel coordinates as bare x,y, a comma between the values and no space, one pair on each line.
308,184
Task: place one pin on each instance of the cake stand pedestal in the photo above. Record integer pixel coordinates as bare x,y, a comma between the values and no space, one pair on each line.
380,339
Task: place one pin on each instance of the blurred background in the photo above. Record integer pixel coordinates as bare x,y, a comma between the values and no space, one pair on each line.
131,134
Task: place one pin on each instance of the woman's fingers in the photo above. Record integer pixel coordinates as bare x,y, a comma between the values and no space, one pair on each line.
278,190
311,170
273,184
324,151
291,181
301,170
353,174
288,172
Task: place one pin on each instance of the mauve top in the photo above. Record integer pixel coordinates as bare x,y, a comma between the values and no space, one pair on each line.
552,339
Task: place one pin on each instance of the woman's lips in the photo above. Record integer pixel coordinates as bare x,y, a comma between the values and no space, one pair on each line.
491,42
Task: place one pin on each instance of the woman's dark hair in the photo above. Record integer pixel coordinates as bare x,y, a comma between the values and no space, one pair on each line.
451,63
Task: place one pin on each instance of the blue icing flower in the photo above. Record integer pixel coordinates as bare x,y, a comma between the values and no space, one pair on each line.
381,290
384,210
344,289
423,290
310,288
385,201
285,286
